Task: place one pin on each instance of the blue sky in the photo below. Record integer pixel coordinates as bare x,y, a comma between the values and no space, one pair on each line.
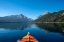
29,8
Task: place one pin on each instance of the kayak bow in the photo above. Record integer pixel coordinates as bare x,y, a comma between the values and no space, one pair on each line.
28,38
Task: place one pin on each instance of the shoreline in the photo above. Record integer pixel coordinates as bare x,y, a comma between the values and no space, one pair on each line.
48,22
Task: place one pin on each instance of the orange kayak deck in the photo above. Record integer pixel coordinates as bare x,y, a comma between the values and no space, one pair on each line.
28,38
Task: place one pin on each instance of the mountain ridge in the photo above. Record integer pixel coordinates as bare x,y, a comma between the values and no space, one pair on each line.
52,17
15,18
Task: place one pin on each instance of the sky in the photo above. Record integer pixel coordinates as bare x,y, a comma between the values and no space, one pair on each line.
29,8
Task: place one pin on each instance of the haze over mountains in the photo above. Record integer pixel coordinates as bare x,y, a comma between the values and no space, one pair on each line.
15,18
51,17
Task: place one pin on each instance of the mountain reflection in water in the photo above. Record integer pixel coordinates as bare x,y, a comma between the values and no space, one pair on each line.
52,27
15,26
43,32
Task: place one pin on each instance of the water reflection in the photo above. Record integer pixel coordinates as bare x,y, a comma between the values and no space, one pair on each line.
15,26
52,27
11,32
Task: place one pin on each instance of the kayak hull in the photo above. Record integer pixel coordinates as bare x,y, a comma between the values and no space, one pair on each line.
28,38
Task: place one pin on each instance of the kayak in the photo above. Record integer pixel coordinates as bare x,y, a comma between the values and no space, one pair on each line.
28,38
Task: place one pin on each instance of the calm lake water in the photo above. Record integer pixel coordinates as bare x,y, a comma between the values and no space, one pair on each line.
43,32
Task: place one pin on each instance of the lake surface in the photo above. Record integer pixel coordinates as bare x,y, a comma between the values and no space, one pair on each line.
43,32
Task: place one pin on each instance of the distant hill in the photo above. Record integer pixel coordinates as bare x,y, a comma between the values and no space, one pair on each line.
51,17
15,18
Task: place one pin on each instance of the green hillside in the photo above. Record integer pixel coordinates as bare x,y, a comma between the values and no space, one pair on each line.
52,17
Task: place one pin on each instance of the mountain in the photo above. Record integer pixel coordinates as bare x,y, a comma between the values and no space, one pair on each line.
15,18
46,12
51,17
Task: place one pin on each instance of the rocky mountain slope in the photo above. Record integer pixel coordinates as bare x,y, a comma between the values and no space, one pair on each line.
51,17
15,18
